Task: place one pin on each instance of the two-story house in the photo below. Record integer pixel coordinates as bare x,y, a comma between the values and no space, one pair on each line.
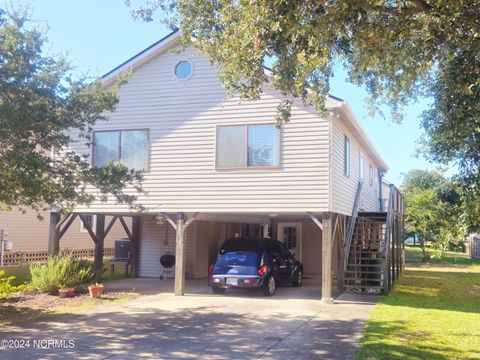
218,167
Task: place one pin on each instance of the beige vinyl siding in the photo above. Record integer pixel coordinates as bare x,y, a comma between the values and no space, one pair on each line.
344,188
155,240
28,233
182,117
203,239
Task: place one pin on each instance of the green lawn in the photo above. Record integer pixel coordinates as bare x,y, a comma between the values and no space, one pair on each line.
433,312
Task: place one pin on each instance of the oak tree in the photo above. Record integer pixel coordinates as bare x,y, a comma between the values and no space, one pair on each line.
399,50
43,110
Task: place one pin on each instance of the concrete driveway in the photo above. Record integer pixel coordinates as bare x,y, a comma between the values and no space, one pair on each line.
293,324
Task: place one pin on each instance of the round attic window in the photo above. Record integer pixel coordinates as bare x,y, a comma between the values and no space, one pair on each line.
183,70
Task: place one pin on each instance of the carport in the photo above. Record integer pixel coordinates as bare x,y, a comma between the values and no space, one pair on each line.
330,233
331,225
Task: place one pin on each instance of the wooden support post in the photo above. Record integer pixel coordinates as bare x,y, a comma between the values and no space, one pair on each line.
341,253
327,242
135,246
54,234
98,253
180,255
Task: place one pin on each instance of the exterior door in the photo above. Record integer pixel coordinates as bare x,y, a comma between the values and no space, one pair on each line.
291,235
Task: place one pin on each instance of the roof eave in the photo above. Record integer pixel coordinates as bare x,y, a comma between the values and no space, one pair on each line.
140,58
346,110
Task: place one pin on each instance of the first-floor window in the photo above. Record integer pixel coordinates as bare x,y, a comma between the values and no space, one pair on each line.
247,146
129,147
91,220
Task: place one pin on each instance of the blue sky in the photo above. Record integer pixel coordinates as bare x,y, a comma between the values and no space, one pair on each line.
98,35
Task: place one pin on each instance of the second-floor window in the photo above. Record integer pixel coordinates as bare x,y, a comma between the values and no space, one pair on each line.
129,147
361,168
346,156
240,146
370,175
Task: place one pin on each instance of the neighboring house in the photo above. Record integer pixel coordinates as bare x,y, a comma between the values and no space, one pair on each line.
221,168
27,233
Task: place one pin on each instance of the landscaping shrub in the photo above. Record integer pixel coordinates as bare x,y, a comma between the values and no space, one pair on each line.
7,288
62,270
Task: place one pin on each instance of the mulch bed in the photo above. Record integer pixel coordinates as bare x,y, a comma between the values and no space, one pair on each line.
30,305
42,301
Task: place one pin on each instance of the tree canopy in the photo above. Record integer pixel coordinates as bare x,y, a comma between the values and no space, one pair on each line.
400,50
434,210
43,110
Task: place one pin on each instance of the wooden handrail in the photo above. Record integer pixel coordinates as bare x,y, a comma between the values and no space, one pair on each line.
351,222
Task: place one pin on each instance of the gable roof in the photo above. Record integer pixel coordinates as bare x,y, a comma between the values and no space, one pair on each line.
333,103
142,57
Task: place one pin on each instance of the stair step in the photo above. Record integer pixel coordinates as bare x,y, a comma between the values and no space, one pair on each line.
379,287
363,279
365,265
367,251
363,272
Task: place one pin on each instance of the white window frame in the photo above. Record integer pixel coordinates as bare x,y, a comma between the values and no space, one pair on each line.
83,229
361,167
370,174
346,156
279,143
298,225
175,68
147,162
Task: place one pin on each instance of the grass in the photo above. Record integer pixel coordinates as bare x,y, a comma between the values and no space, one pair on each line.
433,312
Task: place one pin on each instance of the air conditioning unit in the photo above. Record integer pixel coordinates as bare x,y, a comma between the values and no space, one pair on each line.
122,249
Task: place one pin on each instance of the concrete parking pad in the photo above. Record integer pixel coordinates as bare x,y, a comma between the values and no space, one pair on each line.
293,324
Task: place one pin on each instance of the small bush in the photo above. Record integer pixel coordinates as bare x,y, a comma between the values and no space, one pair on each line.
7,288
62,270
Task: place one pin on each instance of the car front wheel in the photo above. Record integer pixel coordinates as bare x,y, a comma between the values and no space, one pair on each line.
270,286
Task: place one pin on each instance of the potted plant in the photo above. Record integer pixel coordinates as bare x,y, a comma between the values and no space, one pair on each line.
95,290
66,292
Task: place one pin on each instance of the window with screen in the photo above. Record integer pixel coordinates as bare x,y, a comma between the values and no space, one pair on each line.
370,175
290,236
361,168
346,156
241,146
129,147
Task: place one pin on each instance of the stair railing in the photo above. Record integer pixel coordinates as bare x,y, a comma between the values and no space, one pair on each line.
386,241
351,223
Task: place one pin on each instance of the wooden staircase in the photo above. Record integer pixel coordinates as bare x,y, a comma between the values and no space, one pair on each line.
374,252
364,271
